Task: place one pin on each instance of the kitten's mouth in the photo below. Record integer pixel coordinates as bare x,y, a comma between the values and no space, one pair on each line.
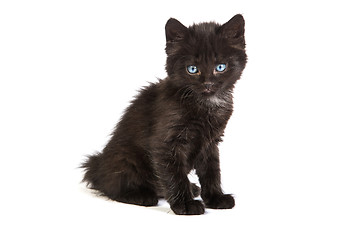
208,92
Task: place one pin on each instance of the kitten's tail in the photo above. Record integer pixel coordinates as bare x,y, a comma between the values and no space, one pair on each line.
91,166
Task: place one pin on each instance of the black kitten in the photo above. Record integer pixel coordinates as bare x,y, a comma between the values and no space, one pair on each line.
175,125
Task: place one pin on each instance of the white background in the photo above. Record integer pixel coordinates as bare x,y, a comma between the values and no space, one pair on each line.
291,153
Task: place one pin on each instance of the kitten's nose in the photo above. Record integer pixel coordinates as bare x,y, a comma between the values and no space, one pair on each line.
208,85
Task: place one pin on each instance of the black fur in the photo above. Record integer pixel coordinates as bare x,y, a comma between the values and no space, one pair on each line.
175,125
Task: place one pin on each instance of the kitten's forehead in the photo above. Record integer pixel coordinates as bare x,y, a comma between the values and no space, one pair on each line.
204,41
205,29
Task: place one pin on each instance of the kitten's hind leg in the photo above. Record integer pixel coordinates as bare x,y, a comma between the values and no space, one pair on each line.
143,196
125,177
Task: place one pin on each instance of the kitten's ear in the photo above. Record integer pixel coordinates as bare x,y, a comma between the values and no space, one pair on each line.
234,31
175,31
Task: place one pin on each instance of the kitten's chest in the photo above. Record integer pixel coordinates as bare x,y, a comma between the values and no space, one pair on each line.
206,127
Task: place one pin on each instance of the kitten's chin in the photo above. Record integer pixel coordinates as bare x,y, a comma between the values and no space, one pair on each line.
215,98
207,95
212,100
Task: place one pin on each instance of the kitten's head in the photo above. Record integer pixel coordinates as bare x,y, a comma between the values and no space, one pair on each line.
205,60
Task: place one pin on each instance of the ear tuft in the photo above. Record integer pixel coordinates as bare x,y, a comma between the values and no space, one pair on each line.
175,31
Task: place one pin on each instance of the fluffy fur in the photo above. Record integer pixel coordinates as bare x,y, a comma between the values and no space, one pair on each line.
175,125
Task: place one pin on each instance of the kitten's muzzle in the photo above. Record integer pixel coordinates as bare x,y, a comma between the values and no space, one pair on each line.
208,87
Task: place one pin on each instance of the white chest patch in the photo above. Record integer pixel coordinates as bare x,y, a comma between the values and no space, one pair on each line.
216,101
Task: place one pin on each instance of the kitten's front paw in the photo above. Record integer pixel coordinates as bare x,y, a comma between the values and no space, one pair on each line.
225,201
193,207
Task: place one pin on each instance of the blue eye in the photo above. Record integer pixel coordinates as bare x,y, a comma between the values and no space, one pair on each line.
192,69
220,67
